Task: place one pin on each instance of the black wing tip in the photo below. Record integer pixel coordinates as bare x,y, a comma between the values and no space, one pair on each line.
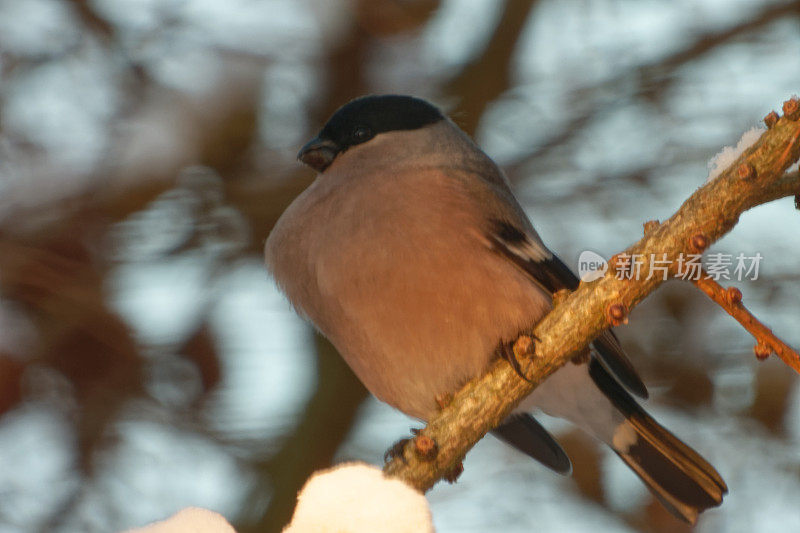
637,387
613,358
525,434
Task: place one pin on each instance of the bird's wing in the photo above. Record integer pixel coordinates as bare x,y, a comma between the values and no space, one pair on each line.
524,433
548,271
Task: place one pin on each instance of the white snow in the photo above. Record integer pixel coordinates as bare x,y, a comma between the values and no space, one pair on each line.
358,498
728,155
190,520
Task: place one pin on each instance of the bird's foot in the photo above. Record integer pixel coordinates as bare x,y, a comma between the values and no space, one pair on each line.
453,475
524,346
443,400
396,449
582,357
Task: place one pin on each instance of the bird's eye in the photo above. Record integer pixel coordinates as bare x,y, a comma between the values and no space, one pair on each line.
362,133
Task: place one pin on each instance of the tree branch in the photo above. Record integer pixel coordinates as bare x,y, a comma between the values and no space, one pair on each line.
756,177
730,300
488,74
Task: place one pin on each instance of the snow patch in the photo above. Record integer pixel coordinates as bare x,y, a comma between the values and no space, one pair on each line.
729,154
358,498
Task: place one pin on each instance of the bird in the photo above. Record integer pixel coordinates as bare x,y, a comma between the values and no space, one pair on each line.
411,254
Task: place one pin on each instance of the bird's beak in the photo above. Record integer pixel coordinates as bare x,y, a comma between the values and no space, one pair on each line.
318,153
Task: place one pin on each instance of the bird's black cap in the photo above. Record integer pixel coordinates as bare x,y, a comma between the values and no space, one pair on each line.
362,119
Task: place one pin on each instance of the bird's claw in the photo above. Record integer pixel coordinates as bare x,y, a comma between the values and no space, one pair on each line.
508,351
396,450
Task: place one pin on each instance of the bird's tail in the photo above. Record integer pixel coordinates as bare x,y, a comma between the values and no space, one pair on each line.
682,480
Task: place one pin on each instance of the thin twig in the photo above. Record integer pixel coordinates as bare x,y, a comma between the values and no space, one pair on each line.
730,300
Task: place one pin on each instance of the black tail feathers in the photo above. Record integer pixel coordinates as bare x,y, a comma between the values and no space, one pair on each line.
682,480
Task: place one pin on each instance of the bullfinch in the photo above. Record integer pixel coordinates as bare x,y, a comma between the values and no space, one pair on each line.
410,253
